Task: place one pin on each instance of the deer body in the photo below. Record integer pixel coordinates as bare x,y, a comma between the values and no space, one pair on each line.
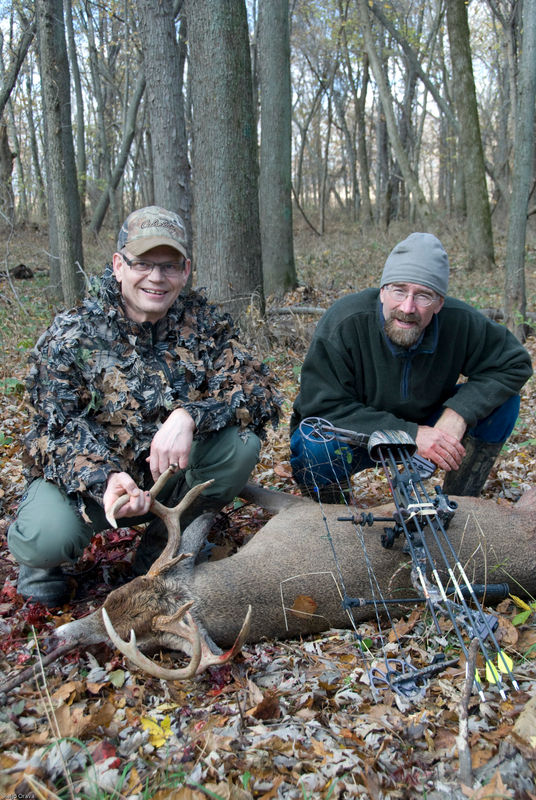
291,557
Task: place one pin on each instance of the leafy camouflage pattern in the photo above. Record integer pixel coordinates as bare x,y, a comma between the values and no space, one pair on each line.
101,384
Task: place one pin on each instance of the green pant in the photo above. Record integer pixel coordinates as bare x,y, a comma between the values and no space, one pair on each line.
49,530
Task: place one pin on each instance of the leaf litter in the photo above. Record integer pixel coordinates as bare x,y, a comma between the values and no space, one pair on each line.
288,719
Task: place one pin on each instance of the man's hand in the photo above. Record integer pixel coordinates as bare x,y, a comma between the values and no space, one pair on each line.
172,443
120,483
442,443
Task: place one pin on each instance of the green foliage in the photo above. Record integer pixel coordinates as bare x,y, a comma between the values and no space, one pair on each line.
10,386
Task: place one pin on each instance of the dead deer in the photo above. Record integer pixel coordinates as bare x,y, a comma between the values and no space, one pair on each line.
198,608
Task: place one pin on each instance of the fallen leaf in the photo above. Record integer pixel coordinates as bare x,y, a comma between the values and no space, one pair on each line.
283,470
525,726
507,634
303,606
158,733
268,708
491,791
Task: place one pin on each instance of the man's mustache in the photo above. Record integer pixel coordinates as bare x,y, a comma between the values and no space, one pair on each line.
405,317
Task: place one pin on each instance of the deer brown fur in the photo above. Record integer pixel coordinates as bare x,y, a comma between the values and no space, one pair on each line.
291,557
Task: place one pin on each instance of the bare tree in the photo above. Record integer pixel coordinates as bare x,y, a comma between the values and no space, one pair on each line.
61,168
81,161
408,174
6,165
19,54
275,188
164,60
479,232
129,130
514,292
227,234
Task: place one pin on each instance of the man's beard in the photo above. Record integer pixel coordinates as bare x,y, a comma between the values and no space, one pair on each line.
403,337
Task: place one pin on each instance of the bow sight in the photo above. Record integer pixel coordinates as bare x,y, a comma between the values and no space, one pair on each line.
423,522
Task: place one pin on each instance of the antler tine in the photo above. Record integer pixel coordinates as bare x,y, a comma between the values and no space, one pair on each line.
174,624
132,652
171,518
212,659
154,491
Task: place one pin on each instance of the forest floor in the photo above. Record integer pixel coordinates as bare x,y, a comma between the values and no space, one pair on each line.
292,719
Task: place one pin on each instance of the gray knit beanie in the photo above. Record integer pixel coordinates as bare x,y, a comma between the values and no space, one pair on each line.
421,258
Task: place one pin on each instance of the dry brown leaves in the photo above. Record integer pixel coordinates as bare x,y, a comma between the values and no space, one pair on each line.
287,719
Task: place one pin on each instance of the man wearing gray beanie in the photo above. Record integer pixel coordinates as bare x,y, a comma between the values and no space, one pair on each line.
391,359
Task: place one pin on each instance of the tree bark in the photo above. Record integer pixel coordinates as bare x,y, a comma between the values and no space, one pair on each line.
410,178
7,203
275,199
514,292
12,71
128,136
61,169
227,245
100,100
479,232
81,161
40,184
164,61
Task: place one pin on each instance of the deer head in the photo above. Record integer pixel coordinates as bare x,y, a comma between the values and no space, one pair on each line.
146,609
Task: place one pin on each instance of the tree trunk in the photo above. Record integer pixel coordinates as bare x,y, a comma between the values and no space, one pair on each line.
275,188
128,135
227,232
100,100
164,61
479,232
12,70
7,209
408,174
514,292
360,146
81,161
61,169
41,201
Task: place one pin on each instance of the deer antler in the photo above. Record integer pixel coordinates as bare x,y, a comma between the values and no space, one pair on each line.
131,650
154,491
174,624
169,516
171,519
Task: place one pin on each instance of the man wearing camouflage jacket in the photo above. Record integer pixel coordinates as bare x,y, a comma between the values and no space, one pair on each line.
120,388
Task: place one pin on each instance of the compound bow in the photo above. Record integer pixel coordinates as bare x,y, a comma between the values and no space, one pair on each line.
421,521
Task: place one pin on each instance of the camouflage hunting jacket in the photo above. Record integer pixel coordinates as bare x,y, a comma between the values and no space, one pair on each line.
101,384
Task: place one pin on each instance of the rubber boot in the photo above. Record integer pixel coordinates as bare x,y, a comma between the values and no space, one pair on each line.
469,479
47,586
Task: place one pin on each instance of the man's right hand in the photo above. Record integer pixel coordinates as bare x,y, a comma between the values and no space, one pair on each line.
120,483
439,446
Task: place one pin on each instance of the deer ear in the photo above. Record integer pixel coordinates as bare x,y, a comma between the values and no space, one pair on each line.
194,538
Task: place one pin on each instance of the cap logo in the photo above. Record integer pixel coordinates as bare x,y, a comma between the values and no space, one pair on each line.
162,223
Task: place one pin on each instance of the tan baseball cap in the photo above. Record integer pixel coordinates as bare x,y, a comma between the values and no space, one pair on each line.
150,227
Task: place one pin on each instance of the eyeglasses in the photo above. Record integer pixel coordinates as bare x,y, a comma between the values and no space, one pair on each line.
146,267
419,298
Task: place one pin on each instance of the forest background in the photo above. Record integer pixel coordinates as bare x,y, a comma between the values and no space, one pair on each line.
300,141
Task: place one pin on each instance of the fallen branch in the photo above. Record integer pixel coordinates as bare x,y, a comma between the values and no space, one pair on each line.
29,673
297,310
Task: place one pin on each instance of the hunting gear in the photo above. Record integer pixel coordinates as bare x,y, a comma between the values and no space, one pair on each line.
391,359
133,380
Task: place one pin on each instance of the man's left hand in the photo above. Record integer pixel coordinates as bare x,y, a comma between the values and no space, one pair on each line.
442,443
172,443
